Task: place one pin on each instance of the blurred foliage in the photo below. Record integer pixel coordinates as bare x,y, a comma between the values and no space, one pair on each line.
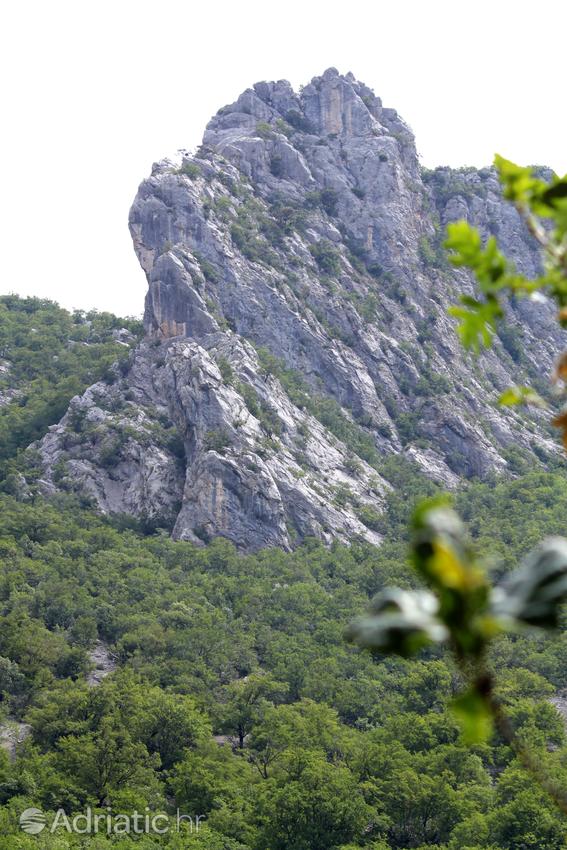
464,608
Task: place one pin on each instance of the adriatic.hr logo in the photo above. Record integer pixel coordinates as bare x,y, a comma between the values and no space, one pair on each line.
33,821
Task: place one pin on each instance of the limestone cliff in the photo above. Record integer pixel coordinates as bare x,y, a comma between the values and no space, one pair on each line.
297,330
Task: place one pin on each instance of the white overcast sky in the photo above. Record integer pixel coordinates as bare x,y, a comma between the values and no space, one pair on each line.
94,92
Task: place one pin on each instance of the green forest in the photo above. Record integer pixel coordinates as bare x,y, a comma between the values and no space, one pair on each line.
48,355
231,692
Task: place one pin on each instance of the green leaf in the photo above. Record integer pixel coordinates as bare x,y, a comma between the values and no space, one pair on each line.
436,524
443,556
465,241
518,182
557,191
534,593
489,264
494,274
474,716
477,321
401,621
520,395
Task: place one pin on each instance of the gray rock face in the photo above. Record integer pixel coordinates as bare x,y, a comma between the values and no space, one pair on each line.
236,458
103,663
12,735
305,230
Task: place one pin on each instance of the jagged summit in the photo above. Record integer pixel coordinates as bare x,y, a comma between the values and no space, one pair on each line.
297,330
333,137
330,105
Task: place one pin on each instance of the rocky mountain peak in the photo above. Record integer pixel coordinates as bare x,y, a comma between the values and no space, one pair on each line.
297,330
330,105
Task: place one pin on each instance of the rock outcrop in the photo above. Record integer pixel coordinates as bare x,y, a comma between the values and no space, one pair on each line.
12,735
297,330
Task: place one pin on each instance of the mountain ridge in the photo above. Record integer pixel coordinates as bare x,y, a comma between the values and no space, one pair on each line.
297,333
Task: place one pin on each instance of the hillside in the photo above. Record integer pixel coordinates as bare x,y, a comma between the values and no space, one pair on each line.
192,511
297,334
236,697
47,356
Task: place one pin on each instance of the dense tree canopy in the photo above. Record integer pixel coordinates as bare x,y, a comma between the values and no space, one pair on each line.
317,745
235,695
48,355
